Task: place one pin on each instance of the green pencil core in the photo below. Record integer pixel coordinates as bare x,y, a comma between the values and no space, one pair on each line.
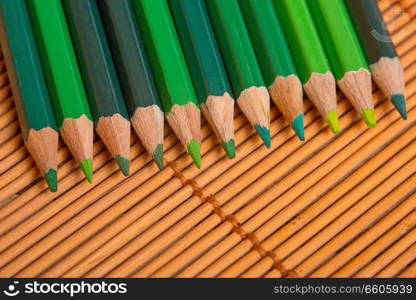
158,156
86,167
298,127
124,164
369,117
333,122
52,180
399,102
229,148
194,149
265,135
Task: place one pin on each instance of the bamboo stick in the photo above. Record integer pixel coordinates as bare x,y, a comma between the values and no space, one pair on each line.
410,272
375,265
374,232
399,263
344,204
264,231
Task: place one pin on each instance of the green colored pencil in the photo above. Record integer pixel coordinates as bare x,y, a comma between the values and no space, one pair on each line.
64,80
28,84
275,60
345,54
241,63
380,51
135,74
206,68
172,75
105,97
310,58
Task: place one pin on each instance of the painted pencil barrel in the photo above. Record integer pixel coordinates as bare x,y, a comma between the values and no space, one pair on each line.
27,77
371,30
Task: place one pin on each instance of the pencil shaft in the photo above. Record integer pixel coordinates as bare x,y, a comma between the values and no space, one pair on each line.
24,68
371,30
201,49
268,39
303,38
338,36
59,61
167,59
95,61
129,54
236,46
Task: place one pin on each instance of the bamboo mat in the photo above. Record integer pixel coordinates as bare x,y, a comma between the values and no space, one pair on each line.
334,206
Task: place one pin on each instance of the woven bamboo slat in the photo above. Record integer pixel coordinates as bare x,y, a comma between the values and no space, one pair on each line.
333,206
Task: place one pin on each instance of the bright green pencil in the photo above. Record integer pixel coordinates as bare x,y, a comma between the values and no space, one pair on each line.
310,58
68,97
172,76
345,54
242,65
275,60
30,93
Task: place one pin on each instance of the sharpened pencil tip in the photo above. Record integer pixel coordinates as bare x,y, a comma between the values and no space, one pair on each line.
399,102
51,178
298,127
158,156
333,122
265,135
229,148
194,149
369,117
86,167
124,164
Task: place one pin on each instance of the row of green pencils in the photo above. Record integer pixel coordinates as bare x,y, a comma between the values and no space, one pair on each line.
76,64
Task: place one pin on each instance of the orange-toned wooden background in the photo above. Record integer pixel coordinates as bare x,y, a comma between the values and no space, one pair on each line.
340,206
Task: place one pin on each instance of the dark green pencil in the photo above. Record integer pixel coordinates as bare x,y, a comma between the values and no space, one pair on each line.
29,88
206,68
379,49
135,74
100,79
